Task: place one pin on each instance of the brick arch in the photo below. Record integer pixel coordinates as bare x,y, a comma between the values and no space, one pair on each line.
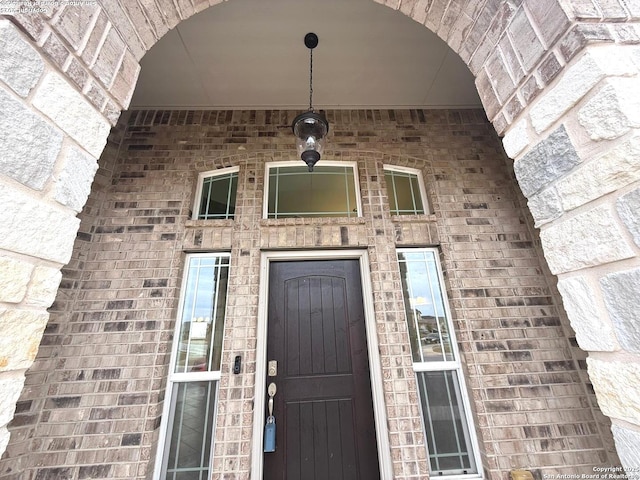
508,47
513,50
559,83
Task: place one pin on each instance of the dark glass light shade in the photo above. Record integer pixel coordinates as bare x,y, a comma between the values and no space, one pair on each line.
311,131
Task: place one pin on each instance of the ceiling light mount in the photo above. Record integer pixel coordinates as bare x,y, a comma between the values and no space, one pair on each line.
311,40
310,128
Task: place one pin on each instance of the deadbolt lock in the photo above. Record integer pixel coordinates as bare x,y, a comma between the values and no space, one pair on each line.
272,369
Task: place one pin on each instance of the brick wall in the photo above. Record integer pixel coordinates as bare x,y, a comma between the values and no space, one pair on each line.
541,67
92,402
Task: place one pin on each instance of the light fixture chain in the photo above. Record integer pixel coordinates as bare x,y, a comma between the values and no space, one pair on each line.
309,127
311,79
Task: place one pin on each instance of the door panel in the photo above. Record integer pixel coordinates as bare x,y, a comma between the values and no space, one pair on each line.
323,407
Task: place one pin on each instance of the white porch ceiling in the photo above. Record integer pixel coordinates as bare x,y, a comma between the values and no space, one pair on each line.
250,54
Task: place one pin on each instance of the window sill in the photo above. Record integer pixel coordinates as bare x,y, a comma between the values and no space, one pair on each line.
270,222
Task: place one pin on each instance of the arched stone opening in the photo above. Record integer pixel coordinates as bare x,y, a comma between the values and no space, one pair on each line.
544,102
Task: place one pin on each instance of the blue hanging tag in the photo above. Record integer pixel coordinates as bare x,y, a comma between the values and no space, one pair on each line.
270,434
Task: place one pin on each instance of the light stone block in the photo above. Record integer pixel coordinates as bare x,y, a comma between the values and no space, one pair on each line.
545,206
589,239
628,448
14,279
73,184
595,65
609,380
613,110
33,227
517,138
622,297
20,64
608,173
10,389
593,331
68,109
546,162
29,145
4,437
43,287
20,335
635,56
628,207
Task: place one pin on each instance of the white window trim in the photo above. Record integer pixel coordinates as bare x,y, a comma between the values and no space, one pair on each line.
452,365
195,376
421,185
195,211
325,163
172,378
375,365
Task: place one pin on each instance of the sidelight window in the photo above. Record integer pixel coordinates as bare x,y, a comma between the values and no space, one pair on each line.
405,190
216,195
450,440
329,191
189,414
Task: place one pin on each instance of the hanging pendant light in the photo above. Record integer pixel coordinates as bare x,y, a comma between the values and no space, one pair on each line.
310,128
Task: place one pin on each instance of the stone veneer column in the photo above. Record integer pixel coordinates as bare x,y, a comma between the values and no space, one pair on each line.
48,162
54,124
577,159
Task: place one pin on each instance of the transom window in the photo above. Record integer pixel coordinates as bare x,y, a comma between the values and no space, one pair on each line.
450,436
216,194
405,189
331,190
189,414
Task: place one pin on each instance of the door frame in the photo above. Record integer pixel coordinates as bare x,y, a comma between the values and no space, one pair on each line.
375,365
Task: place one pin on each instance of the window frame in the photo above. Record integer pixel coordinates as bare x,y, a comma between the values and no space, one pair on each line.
421,186
174,379
325,163
202,176
453,365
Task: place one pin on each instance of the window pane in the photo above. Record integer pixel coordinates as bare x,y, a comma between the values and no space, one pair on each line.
450,450
404,193
328,191
218,197
417,196
189,436
200,339
424,306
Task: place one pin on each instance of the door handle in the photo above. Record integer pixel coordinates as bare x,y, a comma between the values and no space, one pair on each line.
271,391
270,426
